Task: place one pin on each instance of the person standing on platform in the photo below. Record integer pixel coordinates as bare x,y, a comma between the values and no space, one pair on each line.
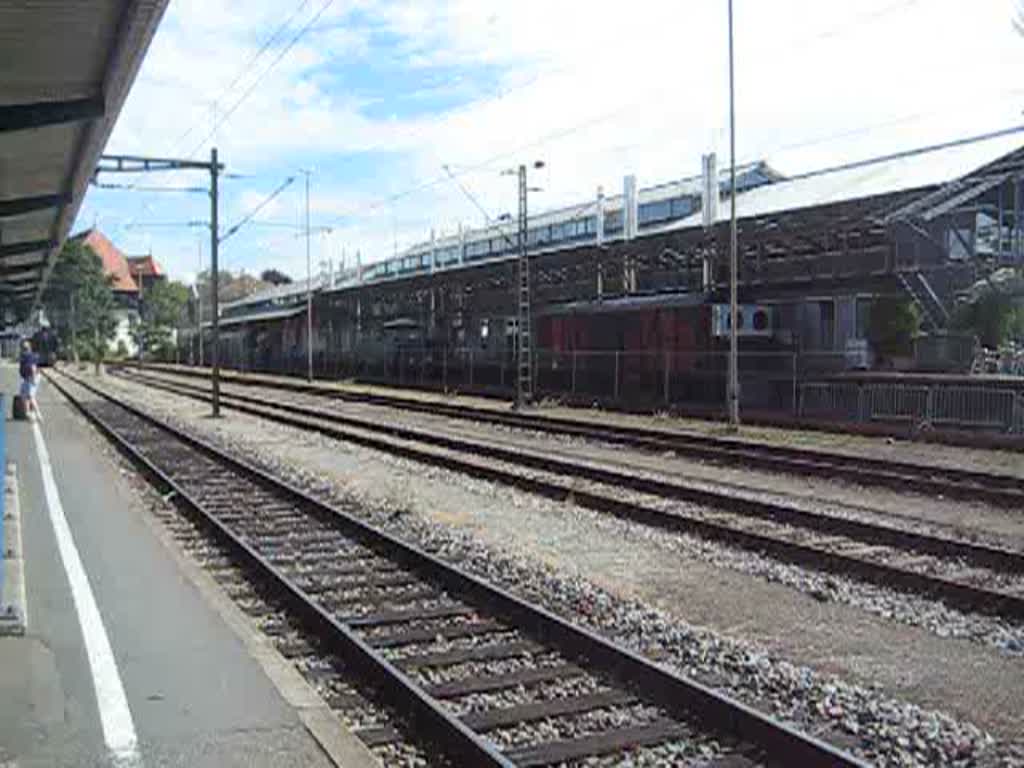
28,369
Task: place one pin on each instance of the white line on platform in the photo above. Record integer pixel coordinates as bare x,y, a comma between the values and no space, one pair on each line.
115,716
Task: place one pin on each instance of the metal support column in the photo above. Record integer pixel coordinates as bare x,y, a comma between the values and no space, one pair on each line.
215,281
733,392
309,293
1017,232
1001,223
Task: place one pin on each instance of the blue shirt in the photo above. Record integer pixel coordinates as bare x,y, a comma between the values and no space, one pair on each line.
27,364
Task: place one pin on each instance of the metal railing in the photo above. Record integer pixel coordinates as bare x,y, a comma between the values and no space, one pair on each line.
956,406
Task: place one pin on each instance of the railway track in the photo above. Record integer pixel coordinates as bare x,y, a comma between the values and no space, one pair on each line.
1000,489
966,575
468,667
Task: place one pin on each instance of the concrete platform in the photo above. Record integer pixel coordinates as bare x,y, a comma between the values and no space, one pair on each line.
196,694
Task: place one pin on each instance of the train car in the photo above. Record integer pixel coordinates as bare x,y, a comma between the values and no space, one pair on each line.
634,347
46,345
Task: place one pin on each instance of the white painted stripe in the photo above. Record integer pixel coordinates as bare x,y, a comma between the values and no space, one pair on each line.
115,717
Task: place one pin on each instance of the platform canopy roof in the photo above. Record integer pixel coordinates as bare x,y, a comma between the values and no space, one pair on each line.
67,68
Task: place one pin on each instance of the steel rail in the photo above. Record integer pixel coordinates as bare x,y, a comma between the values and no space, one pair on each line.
781,744
964,596
1002,489
455,739
980,554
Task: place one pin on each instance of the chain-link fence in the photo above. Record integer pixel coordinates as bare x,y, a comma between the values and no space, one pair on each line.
770,382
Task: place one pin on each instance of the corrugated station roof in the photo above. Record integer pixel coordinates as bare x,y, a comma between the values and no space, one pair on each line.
916,169
115,265
292,290
693,185
67,69
688,186
923,169
256,317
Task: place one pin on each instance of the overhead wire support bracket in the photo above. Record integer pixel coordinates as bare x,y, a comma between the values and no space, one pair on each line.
266,201
140,188
137,164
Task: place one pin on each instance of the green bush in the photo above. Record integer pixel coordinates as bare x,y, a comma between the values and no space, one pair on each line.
892,324
994,318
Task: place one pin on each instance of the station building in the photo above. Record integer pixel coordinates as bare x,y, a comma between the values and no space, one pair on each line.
629,291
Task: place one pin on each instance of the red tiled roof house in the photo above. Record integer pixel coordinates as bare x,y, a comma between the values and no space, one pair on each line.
145,271
128,276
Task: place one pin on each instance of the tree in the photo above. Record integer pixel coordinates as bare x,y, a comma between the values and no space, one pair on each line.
80,303
892,324
275,277
163,310
993,317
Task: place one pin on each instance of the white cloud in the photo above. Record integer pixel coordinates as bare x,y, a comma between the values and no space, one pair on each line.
597,90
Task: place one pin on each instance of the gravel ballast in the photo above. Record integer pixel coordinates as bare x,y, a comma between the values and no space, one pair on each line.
930,454
939,618
969,520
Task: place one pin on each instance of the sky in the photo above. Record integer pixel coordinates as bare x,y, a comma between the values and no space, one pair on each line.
373,99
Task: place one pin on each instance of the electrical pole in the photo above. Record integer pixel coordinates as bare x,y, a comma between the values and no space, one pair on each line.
199,306
309,293
734,378
140,164
141,327
524,334
215,281
524,380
